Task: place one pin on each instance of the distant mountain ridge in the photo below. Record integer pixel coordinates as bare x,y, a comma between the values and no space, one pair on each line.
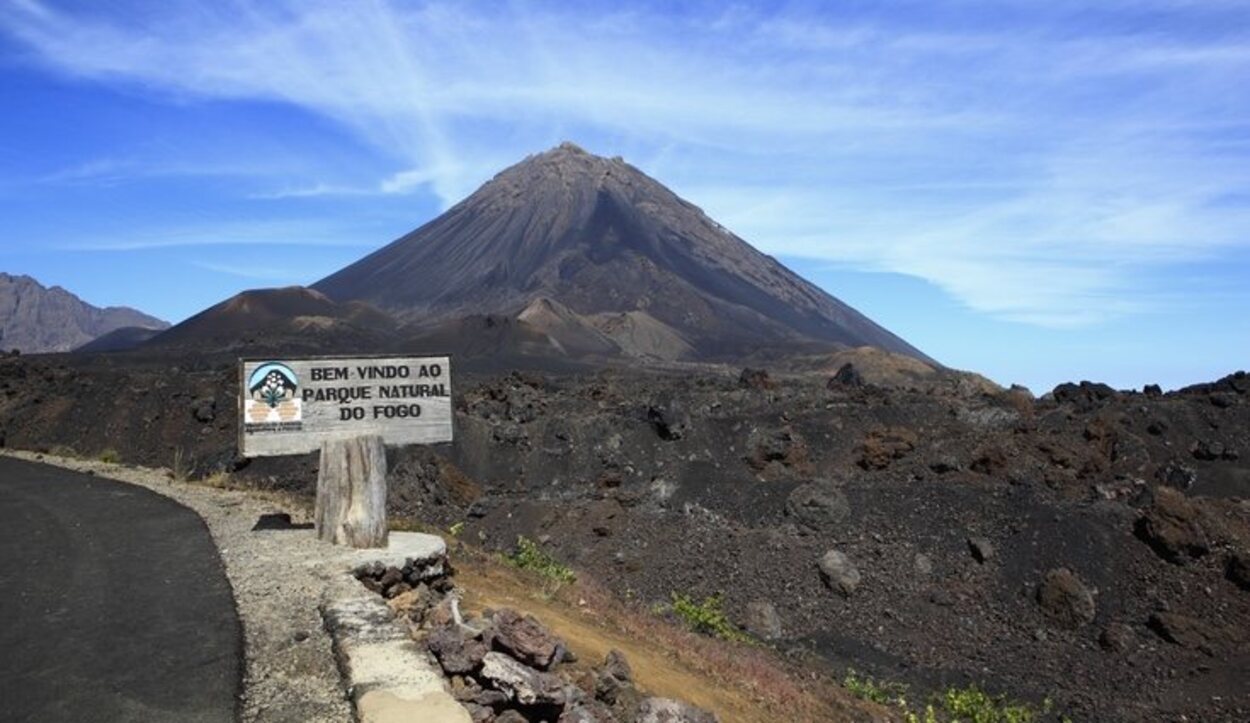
600,260
35,318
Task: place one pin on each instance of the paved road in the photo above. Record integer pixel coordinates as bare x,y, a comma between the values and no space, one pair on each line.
113,604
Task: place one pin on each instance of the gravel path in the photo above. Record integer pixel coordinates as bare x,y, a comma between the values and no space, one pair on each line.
280,578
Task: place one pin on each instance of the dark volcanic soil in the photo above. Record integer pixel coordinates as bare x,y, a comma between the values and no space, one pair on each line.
1091,547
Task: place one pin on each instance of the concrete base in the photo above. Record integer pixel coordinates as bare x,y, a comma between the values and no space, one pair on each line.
436,707
389,676
400,547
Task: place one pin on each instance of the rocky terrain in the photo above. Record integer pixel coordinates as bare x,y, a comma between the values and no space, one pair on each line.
679,418
508,667
1088,547
34,318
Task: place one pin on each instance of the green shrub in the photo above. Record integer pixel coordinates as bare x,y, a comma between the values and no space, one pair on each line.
973,705
110,456
954,705
883,692
529,556
707,617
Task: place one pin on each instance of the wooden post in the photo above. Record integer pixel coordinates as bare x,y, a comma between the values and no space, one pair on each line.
351,492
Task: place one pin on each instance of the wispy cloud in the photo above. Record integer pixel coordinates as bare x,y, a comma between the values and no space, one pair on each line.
266,274
259,234
313,191
111,171
1039,165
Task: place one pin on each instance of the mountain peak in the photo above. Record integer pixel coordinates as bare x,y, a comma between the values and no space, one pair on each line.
566,163
36,318
600,238
570,147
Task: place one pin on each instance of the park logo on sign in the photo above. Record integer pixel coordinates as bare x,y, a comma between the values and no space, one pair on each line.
273,402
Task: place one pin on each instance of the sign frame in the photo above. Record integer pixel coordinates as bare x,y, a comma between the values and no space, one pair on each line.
241,396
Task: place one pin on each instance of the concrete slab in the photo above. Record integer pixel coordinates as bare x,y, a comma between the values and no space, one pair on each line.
400,548
439,707
389,676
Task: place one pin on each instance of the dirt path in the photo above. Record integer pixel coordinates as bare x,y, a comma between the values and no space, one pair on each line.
590,634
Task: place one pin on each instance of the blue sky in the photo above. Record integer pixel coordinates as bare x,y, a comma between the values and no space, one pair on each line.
1039,191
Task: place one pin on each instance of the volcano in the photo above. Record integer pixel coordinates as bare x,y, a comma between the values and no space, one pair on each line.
291,319
604,260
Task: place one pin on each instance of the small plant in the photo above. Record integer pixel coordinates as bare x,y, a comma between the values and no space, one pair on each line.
706,617
110,456
529,556
954,705
882,692
180,470
929,716
217,480
974,705
63,450
456,529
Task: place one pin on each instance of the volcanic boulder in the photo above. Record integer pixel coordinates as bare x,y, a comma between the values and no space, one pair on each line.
522,683
1238,569
527,639
884,445
1173,527
1065,599
839,572
762,620
456,653
820,506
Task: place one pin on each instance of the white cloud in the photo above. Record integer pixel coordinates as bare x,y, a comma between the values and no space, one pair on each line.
313,191
1037,171
273,275
239,233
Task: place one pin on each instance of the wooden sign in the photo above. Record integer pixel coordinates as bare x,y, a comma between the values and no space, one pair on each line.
291,406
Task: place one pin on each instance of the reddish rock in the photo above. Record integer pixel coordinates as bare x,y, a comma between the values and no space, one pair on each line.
755,379
527,639
884,445
1184,631
1065,599
784,447
457,653
1117,637
1173,527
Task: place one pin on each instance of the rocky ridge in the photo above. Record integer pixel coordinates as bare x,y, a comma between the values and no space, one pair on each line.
36,319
